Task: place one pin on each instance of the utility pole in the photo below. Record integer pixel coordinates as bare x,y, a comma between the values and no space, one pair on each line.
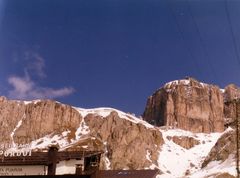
238,133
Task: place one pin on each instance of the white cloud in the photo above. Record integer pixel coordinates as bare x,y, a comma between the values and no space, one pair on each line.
21,86
35,64
25,88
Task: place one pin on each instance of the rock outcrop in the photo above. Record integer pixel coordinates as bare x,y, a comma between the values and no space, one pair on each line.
224,175
225,146
126,141
187,104
184,141
23,122
121,136
231,92
231,95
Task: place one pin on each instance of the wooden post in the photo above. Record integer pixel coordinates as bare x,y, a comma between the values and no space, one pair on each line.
94,174
79,169
52,158
238,134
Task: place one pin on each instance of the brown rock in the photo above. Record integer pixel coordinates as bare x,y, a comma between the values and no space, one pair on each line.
230,113
125,141
184,141
187,104
231,95
46,117
35,119
11,112
224,175
122,140
231,92
225,146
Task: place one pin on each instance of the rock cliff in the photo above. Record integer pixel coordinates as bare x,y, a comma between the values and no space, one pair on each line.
126,140
187,104
224,147
39,123
24,122
231,94
190,112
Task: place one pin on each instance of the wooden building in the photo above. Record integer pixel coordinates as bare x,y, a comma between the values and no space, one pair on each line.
51,163
62,164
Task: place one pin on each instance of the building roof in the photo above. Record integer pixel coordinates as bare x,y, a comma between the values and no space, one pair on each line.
127,173
42,158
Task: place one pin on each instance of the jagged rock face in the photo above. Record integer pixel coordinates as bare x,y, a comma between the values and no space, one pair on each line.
187,104
225,146
126,141
231,92
185,142
121,139
230,113
35,119
224,175
10,114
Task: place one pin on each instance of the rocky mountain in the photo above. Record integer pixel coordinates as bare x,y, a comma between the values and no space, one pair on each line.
196,137
192,105
231,93
43,122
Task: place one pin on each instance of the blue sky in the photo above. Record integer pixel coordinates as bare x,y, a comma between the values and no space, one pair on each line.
114,53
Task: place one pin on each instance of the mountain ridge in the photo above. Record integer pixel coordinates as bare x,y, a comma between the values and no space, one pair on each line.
127,142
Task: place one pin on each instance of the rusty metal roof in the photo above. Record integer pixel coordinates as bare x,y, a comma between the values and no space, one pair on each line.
127,174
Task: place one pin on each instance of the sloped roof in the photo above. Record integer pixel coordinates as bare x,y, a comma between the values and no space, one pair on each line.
127,173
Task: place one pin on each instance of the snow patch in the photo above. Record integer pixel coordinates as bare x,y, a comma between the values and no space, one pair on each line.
166,175
148,156
181,82
85,146
107,163
46,141
222,90
177,82
104,112
33,101
175,160
82,130
105,158
14,130
228,166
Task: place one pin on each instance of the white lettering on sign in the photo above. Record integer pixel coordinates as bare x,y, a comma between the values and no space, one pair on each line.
22,170
19,146
8,150
12,153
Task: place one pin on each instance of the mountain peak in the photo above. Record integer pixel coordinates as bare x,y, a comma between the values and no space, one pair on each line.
187,104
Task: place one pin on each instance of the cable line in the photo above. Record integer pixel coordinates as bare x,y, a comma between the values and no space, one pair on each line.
237,104
237,101
201,40
183,38
231,30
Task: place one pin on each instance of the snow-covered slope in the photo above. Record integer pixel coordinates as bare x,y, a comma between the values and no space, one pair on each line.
104,112
176,161
124,135
83,130
217,167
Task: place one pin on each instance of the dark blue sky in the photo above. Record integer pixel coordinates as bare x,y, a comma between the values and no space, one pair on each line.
114,53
